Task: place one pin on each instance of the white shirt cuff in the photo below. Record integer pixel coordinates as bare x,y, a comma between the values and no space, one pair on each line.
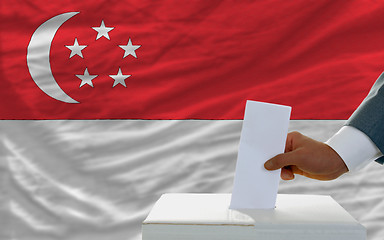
354,147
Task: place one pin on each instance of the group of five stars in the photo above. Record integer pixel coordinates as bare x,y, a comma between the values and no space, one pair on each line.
102,31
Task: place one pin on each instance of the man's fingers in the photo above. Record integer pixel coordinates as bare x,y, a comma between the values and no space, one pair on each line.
297,170
281,160
287,174
292,137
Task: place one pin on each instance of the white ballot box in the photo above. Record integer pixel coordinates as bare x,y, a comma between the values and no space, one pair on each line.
208,217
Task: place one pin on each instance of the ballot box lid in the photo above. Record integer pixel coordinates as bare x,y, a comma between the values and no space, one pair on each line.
208,217
212,209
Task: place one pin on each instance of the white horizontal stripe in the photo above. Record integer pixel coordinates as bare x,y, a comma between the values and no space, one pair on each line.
98,179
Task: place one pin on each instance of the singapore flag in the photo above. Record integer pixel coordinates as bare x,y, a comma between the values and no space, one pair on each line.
106,105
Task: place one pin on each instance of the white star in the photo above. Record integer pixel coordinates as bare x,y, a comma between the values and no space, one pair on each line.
86,78
76,49
129,49
102,31
119,78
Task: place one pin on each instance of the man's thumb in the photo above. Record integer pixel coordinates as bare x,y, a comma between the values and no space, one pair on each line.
280,160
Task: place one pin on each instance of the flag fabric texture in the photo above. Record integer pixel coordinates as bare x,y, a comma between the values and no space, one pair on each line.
106,105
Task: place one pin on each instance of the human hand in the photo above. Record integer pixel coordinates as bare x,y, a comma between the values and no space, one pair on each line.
307,157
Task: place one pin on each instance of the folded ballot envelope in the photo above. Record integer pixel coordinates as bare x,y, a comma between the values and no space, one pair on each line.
208,217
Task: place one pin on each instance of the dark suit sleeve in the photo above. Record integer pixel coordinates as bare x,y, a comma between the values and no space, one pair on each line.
369,116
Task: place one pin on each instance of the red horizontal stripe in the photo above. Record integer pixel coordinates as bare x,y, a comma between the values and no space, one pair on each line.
199,59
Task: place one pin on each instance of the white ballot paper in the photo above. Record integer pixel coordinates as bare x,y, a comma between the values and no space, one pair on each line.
263,136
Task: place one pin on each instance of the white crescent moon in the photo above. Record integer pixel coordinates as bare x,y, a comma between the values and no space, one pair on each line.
38,57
